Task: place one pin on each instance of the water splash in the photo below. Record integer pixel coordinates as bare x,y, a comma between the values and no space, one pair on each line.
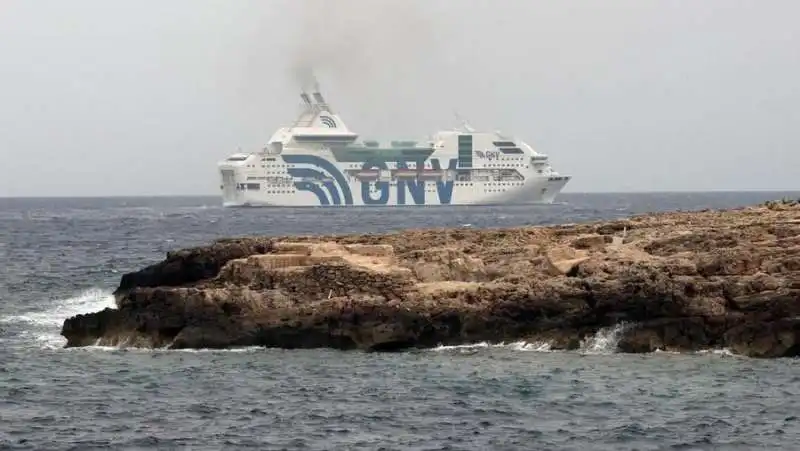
44,326
90,300
604,341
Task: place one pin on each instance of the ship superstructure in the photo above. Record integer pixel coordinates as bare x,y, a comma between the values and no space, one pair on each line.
319,161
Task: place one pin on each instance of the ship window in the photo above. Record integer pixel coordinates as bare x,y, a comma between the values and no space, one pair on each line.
237,158
253,186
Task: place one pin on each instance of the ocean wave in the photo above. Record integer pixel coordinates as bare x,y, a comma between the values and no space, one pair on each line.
44,326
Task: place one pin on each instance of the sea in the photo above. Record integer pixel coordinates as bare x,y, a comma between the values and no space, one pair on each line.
64,256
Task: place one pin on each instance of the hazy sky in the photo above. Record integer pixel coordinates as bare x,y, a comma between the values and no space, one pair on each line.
134,97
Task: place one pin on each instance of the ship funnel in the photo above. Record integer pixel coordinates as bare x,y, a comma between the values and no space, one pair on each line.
321,101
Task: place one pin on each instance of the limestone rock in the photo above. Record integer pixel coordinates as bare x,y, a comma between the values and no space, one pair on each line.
682,281
563,259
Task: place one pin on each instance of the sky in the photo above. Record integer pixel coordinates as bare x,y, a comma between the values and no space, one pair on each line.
144,97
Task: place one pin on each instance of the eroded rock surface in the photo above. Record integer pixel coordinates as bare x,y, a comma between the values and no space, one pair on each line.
682,281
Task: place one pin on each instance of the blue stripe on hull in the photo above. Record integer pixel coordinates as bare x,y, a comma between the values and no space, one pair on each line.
308,173
327,166
308,186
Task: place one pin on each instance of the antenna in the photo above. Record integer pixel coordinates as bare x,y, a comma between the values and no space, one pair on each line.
464,122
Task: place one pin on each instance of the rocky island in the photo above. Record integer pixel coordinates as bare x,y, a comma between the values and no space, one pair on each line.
681,281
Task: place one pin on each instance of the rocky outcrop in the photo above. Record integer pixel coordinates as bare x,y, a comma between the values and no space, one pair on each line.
681,281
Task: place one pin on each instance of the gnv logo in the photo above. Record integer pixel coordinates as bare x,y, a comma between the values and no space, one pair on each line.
407,192
488,154
335,190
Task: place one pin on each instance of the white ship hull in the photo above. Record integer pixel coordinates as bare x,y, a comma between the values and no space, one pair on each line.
318,161
533,191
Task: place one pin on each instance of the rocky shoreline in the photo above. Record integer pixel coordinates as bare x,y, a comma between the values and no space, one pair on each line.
681,281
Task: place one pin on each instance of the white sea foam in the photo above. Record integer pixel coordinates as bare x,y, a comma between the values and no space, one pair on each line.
604,341
724,352
45,324
516,346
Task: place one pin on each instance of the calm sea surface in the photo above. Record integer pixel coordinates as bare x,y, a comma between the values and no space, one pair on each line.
60,257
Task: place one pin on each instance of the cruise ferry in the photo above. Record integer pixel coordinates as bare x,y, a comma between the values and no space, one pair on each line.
318,161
